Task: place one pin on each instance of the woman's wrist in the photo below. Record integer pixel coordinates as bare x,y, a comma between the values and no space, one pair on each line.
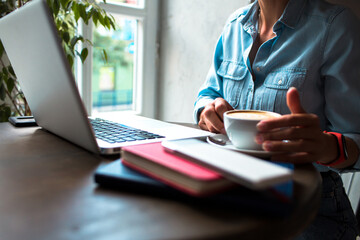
347,152
331,150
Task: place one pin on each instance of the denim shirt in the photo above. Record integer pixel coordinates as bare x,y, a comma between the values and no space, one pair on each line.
316,49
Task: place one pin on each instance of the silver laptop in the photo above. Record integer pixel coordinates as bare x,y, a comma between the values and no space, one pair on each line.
33,46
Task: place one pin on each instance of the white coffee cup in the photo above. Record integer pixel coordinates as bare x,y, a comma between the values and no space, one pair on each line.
240,126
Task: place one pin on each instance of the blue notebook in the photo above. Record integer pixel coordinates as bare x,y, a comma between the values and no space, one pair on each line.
276,202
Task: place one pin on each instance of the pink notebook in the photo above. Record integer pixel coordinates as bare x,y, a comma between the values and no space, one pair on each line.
152,160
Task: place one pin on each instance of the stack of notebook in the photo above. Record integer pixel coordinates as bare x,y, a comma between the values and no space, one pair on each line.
199,169
153,170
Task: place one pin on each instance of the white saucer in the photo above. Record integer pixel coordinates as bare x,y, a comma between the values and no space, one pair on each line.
224,142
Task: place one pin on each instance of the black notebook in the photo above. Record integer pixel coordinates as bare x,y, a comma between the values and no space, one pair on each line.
274,202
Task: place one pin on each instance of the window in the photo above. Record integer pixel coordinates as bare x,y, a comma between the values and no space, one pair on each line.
119,84
113,80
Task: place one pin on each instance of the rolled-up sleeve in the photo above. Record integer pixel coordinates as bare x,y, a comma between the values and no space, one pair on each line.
341,76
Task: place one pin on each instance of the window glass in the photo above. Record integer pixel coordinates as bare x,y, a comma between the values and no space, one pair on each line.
113,70
116,85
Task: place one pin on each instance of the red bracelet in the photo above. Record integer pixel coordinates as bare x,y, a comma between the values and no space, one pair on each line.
343,155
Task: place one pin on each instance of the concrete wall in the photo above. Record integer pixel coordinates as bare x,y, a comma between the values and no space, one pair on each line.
189,31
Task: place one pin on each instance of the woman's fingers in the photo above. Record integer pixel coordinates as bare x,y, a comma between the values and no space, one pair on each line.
290,146
292,133
290,120
209,120
221,106
296,137
211,117
293,101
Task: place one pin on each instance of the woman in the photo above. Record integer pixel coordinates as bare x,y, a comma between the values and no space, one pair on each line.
297,58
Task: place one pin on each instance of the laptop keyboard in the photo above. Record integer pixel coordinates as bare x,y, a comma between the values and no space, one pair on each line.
112,132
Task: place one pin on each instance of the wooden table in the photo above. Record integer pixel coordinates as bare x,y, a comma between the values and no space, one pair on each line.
47,192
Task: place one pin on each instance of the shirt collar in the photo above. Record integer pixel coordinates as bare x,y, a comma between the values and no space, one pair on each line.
292,13
251,16
290,16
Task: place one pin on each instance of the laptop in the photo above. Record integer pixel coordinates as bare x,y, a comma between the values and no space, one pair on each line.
33,46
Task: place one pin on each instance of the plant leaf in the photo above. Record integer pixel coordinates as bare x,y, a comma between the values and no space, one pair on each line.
107,22
1,49
56,7
65,26
105,56
2,92
11,70
74,41
84,54
91,13
70,59
82,11
5,113
10,84
95,19
76,11
89,42
64,3
5,72
66,36
112,22
101,19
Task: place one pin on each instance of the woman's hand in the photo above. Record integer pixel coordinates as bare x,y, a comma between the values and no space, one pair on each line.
298,135
211,117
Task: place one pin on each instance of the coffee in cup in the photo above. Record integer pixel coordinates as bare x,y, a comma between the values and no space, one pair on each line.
240,126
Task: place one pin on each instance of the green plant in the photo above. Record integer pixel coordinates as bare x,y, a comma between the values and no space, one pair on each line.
67,15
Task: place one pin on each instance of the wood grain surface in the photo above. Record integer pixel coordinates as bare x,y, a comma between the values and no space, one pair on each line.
47,192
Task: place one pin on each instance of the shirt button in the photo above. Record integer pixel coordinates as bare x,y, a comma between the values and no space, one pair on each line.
280,82
258,69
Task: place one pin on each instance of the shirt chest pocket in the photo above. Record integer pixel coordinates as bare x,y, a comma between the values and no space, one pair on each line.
276,85
233,75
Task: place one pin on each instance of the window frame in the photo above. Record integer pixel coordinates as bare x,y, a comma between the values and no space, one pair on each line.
145,72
